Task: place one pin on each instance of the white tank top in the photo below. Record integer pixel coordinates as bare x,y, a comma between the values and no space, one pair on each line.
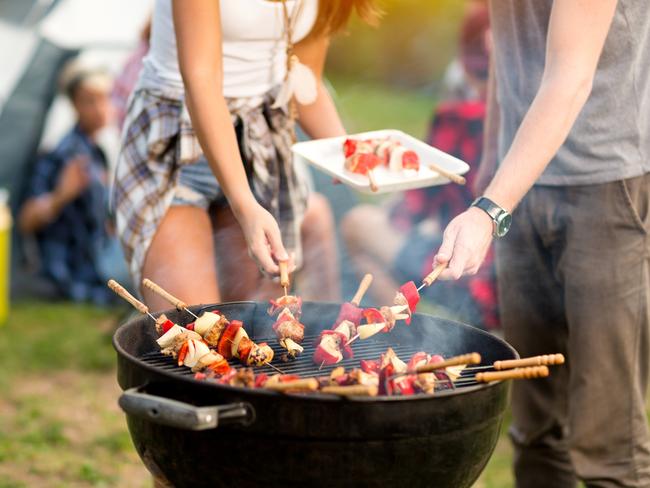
254,45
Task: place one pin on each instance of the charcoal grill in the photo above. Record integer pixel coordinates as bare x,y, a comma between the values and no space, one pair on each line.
200,433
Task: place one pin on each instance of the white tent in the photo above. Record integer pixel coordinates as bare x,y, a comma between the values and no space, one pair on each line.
36,38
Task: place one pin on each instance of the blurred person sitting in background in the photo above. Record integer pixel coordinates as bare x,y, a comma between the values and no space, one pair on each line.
397,244
66,206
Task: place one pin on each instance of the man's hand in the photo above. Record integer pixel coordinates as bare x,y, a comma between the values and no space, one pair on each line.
263,237
73,181
465,243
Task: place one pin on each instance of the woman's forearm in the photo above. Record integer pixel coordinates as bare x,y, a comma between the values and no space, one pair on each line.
213,125
198,39
321,119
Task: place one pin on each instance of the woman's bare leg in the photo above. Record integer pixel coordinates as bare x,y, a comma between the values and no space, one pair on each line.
181,259
320,277
373,246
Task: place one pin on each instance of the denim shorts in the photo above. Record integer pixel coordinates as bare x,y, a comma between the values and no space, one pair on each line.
198,186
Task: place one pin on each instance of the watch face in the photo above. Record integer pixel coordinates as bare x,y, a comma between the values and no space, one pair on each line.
503,224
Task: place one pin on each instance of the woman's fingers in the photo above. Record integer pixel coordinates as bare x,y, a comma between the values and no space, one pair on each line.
261,252
275,241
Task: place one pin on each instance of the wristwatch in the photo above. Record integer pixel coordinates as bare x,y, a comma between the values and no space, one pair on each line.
500,217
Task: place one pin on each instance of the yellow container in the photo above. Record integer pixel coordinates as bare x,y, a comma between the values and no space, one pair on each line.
5,255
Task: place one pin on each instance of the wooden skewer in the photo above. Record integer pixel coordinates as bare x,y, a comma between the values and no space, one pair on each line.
358,296
351,390
123,293
433,276
159,290
544,360
458,179
308,384
514,374
361,291
471,358
373,182
274,367
284,276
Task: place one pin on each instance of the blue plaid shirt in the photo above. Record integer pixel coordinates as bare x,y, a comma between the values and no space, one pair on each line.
69,246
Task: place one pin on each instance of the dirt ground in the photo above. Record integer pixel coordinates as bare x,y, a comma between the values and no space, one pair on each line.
66,429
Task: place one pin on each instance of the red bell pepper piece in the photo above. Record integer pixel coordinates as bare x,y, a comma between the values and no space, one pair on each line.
373,316
370,366
404,385
410,292
350,147
182,352
190,326
225,342
167,324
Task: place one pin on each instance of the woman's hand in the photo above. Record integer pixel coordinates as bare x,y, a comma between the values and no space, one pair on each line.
465,243
263,237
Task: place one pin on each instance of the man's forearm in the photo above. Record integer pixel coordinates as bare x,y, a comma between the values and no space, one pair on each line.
543,130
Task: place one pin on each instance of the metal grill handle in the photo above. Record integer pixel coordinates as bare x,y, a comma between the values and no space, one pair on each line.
182,415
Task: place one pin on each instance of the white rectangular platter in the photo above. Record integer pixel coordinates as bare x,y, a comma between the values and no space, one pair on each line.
327,156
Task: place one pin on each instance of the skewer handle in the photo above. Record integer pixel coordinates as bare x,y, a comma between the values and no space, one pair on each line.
284,274
122,293
373,182
361,291
471,358
514,374
458,179
545,360
309,384
351,390
433,276
176,302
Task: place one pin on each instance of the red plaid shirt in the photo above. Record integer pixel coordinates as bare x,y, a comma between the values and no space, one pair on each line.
457,129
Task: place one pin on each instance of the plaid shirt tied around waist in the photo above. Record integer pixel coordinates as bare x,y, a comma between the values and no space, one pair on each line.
158,139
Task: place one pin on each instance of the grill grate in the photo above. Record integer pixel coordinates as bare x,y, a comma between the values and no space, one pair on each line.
303,365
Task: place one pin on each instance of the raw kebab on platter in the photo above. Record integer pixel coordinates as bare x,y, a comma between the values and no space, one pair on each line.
362,156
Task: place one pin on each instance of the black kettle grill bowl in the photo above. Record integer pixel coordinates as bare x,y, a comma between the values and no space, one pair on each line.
267,439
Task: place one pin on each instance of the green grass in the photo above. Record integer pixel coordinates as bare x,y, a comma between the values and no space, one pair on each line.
365,107
57,336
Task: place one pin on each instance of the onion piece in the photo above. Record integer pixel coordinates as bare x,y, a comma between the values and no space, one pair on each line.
369,330
205,322
167,338
241,333
195,351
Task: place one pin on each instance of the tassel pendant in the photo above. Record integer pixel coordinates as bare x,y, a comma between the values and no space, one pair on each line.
300,83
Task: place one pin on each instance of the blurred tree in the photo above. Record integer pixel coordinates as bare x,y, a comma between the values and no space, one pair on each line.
411,48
